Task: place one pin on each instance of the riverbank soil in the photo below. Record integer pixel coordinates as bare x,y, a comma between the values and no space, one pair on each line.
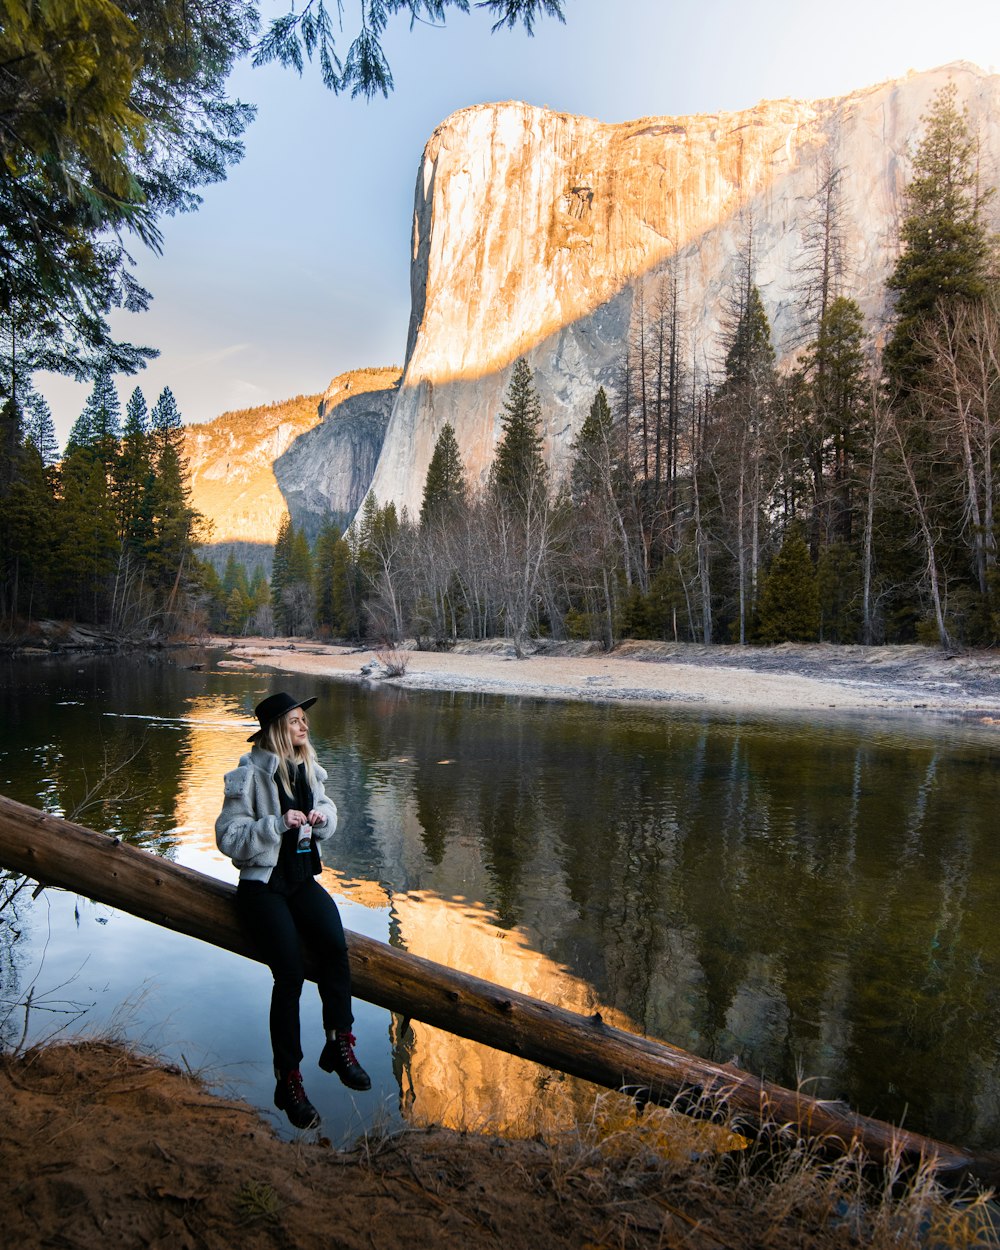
793,677
105,1147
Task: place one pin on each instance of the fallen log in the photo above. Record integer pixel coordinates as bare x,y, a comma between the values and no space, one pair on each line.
56,852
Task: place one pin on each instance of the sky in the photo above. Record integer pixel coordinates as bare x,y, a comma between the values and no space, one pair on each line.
296,268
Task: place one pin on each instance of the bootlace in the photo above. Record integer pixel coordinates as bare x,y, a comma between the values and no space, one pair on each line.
296,1091
346,1042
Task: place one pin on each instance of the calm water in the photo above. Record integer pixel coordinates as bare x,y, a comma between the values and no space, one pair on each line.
817,902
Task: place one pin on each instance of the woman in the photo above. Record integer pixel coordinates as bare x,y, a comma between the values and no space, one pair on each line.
275,816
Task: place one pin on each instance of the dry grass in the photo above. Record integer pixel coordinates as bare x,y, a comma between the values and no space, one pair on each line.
661,1177
705,1185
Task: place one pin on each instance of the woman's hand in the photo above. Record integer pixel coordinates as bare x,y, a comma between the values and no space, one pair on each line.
316,817
294,819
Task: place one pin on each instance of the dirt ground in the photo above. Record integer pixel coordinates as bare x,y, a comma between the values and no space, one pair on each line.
104,1147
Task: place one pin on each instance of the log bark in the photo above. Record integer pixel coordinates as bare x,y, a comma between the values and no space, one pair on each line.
56,852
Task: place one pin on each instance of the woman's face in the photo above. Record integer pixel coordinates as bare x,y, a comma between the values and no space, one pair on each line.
298,727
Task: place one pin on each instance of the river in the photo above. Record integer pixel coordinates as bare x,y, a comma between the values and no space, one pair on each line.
815,901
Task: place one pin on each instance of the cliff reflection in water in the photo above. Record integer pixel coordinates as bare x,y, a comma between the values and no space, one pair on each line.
449,1080
444,1079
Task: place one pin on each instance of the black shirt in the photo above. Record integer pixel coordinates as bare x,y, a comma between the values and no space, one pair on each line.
295,866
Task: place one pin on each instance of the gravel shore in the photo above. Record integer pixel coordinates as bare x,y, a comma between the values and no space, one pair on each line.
786,678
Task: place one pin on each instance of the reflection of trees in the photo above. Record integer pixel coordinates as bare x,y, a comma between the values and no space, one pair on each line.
91,749
928,896
817,905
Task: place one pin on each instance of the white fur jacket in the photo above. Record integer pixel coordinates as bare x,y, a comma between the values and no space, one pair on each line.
250,826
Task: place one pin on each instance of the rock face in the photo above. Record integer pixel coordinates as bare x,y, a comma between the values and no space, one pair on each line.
534,232
232,479
313,456
325,473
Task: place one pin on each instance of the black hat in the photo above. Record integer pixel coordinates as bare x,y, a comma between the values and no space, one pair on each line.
273,708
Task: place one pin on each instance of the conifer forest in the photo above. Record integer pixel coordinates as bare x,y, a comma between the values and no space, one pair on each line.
848,498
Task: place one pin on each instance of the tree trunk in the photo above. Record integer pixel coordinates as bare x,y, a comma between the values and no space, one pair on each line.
927,534
56,852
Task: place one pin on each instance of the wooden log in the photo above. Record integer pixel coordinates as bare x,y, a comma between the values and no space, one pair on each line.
56,852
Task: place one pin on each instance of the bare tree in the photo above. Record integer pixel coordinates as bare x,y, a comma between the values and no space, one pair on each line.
962,394
913,463
878,433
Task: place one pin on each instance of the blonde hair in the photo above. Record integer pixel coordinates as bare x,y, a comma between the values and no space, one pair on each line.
277,739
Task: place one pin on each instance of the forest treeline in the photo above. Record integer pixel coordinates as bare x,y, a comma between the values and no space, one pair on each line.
848,497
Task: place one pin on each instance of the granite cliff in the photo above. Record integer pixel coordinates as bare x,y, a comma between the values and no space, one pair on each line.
324,474
534,232
233,486
313,455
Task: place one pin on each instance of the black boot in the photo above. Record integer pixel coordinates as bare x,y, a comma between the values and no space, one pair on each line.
338,1056
290,1097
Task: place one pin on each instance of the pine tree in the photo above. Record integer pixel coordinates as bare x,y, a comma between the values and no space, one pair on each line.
366,533
27,511
326,545
518,476
596,543
12,454
298,597
113,115
238,608
133,476
521,515
944,236
446,493
86,537
744,440
345,596
260,590
788,609
11,439
209,589
234,577
98,428
292,581
750,356
835,373
170,548
592,468
279,570
39,428
165,423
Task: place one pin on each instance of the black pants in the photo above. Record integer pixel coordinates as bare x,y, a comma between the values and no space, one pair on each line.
278,924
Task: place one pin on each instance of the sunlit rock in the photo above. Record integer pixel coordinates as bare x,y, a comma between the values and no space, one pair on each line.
325,473
312,456
535,231
231,462
450,1080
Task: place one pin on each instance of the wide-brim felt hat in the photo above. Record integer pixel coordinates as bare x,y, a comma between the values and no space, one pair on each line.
274,707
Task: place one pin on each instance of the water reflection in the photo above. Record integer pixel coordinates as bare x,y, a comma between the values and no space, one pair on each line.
813,902
448,1080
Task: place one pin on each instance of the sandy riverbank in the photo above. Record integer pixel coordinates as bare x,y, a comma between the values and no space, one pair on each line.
788,678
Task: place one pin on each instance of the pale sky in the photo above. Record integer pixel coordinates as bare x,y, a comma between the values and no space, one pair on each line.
297,267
